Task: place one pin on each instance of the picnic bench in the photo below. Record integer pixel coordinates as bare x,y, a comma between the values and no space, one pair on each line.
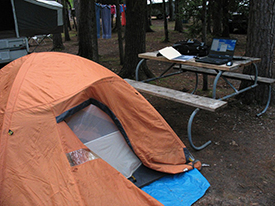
190,99
230,75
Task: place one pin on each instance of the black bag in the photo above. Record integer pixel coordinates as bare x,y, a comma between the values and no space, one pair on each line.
192,47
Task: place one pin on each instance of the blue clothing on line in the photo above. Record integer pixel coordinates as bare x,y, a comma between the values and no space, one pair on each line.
106,21
97,10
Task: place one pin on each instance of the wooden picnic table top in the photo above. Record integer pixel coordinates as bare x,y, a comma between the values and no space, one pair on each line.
236,64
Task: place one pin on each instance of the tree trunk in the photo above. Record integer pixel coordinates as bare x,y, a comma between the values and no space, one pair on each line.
171,10
57,42
134,36
225,18
76,7
87,33
57,39
76,13
149,10
165,22
66,21
204,39
216,16
148,21
209,18
260,43
178,18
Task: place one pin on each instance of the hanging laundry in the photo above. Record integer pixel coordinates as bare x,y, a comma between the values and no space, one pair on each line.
113,10
97,10
106,21
123,14
113,14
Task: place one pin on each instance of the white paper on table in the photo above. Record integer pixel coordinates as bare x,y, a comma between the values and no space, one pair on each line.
173,54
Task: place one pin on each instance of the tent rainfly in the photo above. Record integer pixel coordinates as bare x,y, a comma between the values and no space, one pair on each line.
75,133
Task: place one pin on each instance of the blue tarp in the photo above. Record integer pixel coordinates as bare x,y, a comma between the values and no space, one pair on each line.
180,189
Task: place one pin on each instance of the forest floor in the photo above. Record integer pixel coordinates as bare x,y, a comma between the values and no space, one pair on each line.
241,157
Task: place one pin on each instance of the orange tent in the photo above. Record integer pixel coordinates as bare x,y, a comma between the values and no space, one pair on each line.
43,160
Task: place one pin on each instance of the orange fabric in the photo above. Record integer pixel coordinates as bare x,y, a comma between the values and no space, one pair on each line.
7,78
153,140
109,187
98,183
34,169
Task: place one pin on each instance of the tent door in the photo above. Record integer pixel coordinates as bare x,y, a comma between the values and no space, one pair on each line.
116,152
99,133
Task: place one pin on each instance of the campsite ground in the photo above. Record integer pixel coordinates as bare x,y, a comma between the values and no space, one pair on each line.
241,157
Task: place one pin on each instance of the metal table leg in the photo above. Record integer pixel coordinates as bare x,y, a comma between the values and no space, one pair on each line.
162,75
138,66
236,92
215,84
189,128
268,101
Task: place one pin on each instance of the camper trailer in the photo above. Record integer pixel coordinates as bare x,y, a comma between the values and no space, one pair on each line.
22,19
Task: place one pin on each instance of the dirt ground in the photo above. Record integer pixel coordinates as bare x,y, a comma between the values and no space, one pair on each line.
241,157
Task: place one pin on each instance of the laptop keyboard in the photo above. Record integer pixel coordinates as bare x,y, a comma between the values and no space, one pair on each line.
212,60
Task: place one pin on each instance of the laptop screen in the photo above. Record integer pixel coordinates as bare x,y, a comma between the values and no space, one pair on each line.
223,48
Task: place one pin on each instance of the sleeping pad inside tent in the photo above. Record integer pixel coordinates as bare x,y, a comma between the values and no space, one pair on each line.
72,131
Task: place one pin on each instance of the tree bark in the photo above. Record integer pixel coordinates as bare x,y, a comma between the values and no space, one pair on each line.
148,21
149,12
178,18
165,22
76,14
209,18
260,43
135,38
57,39
216,16
87,33
171,12
66,20
225,18
204,39
57,42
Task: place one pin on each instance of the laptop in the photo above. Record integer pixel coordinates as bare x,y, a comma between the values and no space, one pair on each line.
221,52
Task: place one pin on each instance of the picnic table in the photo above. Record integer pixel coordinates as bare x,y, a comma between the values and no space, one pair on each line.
200,102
